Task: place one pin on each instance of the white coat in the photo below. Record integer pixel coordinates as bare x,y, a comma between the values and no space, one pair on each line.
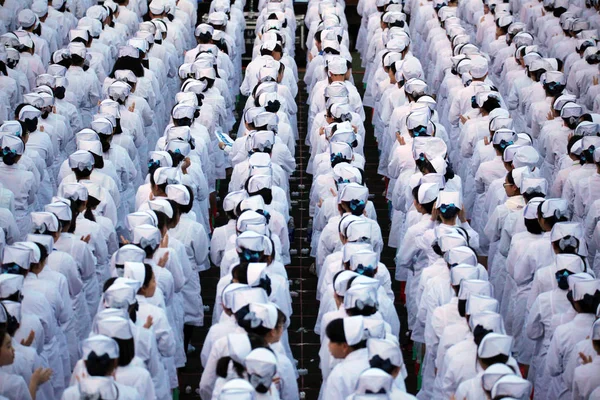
342,381
586,379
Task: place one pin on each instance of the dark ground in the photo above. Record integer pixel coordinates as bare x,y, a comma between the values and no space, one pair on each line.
304,342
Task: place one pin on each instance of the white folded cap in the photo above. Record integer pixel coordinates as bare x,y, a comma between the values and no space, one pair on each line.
261,366
129,51
267,119
135,271
337,66
35,255
60,208
146,236
463,255
429,147
251,220
177,146
511,386
250,240
336,89
115,327
11,128
525,156
129,253
447,198
10,284
534,185
157,6
570,262
254,203
474,286
571,110
228,293
354,330
43,240
353,191
462,272
99,345
81,160
29,112
126,75
74,191
204,28
374,380
596,330
12,144
358,232
262,314
237,389
479,67
103,126
346,173
493,373
340,283
217,18
562,230
145,217
477,304
585,287
531,209
361,296
239,346
242,297
494,344
33,99
261,140
40,8
258,182
363,260
450,240
44,222
119,90
415,86
27,18
555,208
504,137
93,146
385,349
166,175
17,254
97,12
178,193
587,128
77,49
161,205
232,199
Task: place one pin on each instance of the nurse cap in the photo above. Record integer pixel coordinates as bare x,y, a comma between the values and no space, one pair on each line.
450,240
137,218
534,185
81,160
183,111
430,147
479,67
129,253
102,126
555,208
178,193
135,271
163,158
358,232
251,220
428,192
27,18
571,110
100,345
474,286
237,389
146,235
340,283
374,380
239,346
463,272
525,156
74,191
10,284
166,175
12,144
262,314
375,328
561,230
45,241
477,303
461,255
45,222
493,373
571,262
253,203
353,191
115,327
346,173
511,386
258,182
161,205
384,349
255,272
245,296
354,330
361,296
11,128
35,255
228,291
596,330
587,128
582,288
251,241
447,198
488,320
232,199
17,254
29,112
261,365
60,209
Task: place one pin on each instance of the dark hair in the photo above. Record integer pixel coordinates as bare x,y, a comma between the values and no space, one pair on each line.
92,203
186,208
223,367
533,226
108,283
365,311
462,307
99,365
589,303
499,359
479,332
335,331
126,351
148,276
491,104
531,195
552,220
133,64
